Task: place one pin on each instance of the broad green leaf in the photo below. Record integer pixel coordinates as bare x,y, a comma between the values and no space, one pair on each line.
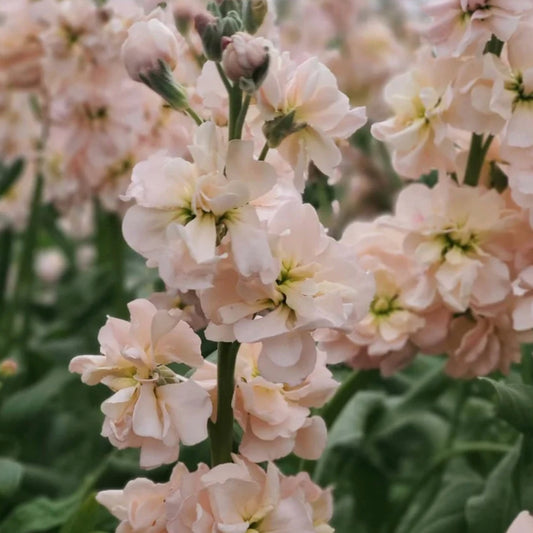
514,403
85,518
447,513
40,514
28,402
11,474
490,511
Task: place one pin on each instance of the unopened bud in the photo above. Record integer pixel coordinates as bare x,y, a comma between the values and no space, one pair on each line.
8,367
149,43
255,14
279,128
245,60
226,6
212,30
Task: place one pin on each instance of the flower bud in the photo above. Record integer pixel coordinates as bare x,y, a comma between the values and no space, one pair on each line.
148,44
226,6
254,15
150,53
245,60
212,30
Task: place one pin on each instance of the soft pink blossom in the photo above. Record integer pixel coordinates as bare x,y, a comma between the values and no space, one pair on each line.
152,408
322,114
523,523
318,283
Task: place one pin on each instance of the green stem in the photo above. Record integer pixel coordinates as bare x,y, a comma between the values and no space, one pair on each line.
221,432
242,116
264,152
235,103
25,275
223,77
438,463
476,156
192,113
6,247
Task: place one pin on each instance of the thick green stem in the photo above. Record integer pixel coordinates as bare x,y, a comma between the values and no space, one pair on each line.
242,115
235,104
6,247
476,157
221,432
264,152
25,275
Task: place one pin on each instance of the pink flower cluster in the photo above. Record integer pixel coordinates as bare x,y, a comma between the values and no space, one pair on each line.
236,497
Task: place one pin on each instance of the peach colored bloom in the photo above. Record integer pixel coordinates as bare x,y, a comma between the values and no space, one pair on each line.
140,506
321,113
275,417
523,523
465,26
318,283
461,235
478,345
418,133
399,317
244,55
185,209
152,408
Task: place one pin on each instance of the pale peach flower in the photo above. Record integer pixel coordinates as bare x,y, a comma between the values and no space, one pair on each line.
140,506
152,408
400,321
321,114
465,26
478,345
461,235
275,417
8,367
212,94
523,523
181,305
185,209
523,304
15,202
318,283
418,134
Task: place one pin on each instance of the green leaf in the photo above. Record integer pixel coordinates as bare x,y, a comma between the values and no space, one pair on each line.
447,513
85,518
40,514
514,403
11,474
8,175
492,510
30,401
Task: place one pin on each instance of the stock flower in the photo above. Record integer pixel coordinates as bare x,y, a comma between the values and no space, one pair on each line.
275,417
149,42
197,204
140,506
401,318
151,408
478,345
305,113
418,133
467,25
318,283
461,236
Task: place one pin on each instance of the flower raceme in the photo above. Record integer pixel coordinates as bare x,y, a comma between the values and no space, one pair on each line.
318,284
237,498
152,408
185,210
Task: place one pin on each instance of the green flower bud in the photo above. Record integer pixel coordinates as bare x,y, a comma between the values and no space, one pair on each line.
162,82
255,14
279,128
